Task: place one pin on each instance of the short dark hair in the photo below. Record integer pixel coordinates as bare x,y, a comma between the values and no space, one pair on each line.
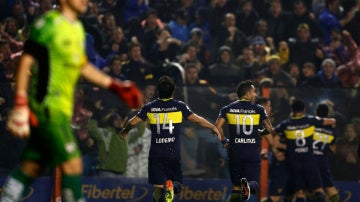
165,87
297,105
322,110
243,87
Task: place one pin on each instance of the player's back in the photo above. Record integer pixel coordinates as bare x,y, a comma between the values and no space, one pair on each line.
323,137
244,120
165,118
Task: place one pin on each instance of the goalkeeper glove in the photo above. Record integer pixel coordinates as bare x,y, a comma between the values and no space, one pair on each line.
128,92
18,119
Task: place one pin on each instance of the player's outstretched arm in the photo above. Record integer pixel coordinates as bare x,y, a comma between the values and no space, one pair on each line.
126,90
204,123
329,121
129,125
219,124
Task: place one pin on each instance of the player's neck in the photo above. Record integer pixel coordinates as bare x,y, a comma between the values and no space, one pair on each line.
298,114
69,13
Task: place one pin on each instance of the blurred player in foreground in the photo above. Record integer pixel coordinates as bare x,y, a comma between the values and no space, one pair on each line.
55,57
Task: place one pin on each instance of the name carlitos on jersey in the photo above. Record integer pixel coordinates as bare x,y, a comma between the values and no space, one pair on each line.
245,140
165,140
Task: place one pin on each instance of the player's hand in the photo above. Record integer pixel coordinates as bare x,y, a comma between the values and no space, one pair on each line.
216,132
128,92
225,142
123,134
18,118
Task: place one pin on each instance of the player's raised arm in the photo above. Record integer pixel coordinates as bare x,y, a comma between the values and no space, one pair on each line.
126,90
204,123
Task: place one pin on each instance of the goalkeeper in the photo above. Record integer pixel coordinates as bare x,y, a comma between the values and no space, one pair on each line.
48,71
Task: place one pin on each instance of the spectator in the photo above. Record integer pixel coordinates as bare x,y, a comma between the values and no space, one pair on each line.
301,15
328,20
116,44
294,71
134,9
328,74
137,68
247,64
246,17
337,50
275,72
178,25
261,51
277,21
303,48
115,7
202,22
224,71
112,150
115,67
310,77
228,34
190,55
151,25
347,164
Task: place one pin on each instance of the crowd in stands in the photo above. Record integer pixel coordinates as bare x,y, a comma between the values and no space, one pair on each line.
298,43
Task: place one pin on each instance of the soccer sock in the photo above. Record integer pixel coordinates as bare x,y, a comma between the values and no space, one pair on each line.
334,198
235,196
158,194
71,188
15,186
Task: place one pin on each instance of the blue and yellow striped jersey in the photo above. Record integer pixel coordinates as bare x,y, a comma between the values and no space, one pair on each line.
298,133
244,119
165,117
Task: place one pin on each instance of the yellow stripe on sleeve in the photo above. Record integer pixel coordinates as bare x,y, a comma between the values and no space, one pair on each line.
323,137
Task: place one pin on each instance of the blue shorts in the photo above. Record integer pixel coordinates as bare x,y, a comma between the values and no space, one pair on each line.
304,175
162,169
325,171
240,168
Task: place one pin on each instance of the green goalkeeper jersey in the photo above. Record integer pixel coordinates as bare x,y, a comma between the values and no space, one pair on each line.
58,45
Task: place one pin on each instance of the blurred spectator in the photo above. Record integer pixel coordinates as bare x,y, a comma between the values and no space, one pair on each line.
139,141
247,64
277,21
261,51
329,19
349,73
19,14
224,71
134,30
112,150
217,11
135,9
178,25
151,25
108,25
165,47
115,67
294,71
190,55
301,15
275,72
347,164
137,68
328,74
202,22
337,49
304,48
115,7
228,34
310,77
283,52
165,8
117,44
246,17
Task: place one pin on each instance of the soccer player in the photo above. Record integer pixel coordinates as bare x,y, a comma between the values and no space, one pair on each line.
324,142
303,172
244,119
166,116
50,66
